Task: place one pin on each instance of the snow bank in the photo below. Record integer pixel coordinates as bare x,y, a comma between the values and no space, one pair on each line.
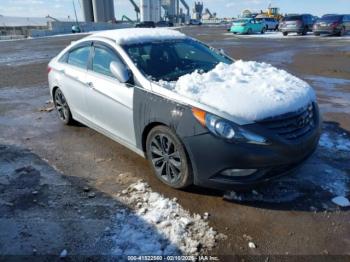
141,35
249,90
159,226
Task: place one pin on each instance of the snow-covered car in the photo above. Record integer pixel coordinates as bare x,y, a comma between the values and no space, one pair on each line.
197,115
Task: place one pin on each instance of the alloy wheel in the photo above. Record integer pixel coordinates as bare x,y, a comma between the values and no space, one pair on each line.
61,105
166,158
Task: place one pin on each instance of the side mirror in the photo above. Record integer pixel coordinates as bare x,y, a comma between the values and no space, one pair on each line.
120,72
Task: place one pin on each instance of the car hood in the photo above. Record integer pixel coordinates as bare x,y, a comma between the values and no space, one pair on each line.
244,92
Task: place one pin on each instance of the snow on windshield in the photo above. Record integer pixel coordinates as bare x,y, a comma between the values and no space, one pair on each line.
249,90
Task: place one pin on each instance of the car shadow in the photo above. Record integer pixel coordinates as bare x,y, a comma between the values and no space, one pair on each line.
44,212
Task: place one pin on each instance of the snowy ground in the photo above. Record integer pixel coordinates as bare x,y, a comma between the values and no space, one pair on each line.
159,226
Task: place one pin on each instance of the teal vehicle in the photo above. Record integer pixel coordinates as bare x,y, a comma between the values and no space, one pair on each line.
247,26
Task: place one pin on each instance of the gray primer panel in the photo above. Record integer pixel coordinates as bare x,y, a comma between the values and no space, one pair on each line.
151,108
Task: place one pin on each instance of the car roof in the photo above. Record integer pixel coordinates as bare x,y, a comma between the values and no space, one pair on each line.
139,35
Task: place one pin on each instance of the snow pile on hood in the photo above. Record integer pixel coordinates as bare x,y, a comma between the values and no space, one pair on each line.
159,226
141,35
248,90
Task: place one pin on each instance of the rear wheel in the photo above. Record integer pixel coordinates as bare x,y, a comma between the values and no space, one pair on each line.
342,32
285,33
263,30
168,158
317,34
250,31
62,107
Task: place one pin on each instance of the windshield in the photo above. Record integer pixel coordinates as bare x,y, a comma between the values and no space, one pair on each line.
292,18
331,18
169,60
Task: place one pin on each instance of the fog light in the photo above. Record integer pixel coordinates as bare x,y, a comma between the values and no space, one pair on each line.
238,172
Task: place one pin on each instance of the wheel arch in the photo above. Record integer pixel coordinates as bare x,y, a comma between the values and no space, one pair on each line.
146,131
53,90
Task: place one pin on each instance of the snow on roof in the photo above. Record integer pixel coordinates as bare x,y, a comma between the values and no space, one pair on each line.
247,90
140,35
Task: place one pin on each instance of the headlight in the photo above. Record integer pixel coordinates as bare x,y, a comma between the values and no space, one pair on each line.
226,129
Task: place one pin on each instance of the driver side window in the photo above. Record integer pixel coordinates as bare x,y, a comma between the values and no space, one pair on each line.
103,57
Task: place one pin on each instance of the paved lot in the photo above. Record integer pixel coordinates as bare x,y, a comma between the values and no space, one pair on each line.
51,211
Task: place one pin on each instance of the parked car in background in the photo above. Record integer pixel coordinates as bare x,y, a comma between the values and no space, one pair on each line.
300,24
146,24
194,22
247,26
270,23
164,24
332,24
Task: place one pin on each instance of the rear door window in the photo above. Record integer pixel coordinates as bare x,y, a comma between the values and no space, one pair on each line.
79,57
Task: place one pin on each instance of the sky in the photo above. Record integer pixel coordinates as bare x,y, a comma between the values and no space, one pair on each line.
224,8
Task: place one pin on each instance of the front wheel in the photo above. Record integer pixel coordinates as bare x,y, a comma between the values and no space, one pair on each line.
342,32
285,33
263,30
167,156
62,107
250,31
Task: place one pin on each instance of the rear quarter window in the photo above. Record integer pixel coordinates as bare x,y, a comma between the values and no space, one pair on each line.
79,57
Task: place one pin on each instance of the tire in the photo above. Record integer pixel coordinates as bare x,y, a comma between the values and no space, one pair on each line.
317,34
342,32
62,107
285,33
250,31
305,30
276,28
168,158
263,30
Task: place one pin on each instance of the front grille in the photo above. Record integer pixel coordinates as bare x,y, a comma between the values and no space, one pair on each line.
294,125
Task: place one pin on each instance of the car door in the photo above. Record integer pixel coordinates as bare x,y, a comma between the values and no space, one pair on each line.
253,25
74,72
110,102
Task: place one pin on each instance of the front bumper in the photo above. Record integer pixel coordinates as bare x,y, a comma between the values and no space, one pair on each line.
210,156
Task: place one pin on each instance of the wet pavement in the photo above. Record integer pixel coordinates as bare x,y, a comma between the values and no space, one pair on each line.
293,215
